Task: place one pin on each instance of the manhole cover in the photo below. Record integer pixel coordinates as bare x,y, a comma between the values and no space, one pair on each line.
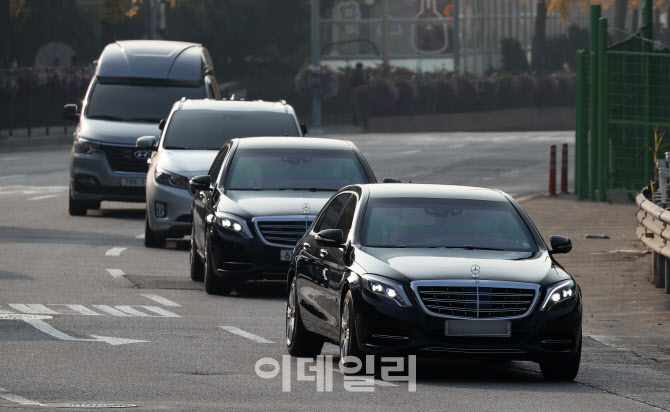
20,316
89,405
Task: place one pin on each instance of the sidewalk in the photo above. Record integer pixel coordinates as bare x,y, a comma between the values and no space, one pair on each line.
20,138
622,308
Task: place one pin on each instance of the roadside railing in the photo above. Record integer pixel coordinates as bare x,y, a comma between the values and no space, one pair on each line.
654,226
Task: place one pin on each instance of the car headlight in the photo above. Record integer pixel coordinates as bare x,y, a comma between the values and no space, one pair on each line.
389,290
86,146
233,224
164,177
558,294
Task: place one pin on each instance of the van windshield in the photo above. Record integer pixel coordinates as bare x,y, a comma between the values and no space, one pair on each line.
137,102
211,129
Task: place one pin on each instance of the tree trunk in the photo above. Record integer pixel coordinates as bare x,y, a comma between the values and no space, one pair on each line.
4,33
539,36
620,9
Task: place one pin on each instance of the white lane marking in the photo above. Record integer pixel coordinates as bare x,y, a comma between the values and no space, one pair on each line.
110,310
115,251
131,311
409,152
6,159
11,176
34,309
163,312
42,197
140,236
116,341
245,334
163,301
42,326
77,309
18,399
116,273
367,379
5,311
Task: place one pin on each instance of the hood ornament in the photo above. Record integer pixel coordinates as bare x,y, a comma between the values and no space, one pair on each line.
305,208
475,269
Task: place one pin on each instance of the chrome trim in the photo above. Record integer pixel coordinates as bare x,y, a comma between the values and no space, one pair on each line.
308,219
471,283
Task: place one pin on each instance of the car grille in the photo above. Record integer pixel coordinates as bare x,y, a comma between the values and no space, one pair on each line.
477,302
122,159
282,231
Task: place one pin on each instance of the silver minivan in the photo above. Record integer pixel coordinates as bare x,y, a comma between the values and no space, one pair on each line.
135,84
192,136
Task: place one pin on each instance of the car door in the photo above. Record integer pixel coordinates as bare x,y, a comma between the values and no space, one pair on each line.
202,201
313,280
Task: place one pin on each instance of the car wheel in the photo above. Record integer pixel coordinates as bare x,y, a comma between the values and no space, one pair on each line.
349,340
214,285
151,238
197,266
93,205
299,341
76,207
562,370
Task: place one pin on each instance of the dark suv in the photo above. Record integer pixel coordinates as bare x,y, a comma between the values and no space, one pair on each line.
259,198
135,85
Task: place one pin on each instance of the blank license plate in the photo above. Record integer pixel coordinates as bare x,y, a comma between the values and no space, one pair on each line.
477,327
285,255
133,181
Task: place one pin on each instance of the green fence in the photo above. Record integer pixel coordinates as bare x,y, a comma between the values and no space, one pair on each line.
623,101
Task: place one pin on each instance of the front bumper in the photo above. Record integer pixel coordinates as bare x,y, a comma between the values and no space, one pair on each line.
239,259
386,329
92,178
177,203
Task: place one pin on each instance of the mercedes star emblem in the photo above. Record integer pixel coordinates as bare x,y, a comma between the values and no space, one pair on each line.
305,208
475,272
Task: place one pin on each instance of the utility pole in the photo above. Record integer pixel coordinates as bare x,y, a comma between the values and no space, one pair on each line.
316,62
151,19
385,32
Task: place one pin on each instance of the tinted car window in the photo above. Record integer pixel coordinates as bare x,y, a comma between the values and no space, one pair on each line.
445,223
216,165
291,169
134,102
211,129
347,217
333,211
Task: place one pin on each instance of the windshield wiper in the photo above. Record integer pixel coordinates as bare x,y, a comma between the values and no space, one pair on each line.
309,189
106,117
144,119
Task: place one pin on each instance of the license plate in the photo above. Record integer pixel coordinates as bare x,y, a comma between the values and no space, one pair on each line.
477,327
285,255
133,181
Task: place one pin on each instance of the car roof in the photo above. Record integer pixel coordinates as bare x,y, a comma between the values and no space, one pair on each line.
234,105
285,142
151,59
405,190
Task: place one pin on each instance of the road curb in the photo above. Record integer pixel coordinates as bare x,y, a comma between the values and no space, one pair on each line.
37,141
529,197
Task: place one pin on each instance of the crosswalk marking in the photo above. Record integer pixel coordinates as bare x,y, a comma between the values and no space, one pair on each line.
245,334
110,310
116,273
42,197
34,309
163,312
78,309
132,311
163,301
115,251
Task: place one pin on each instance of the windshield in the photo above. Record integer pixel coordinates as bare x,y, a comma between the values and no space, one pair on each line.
290,169
137,102
211,129
445,223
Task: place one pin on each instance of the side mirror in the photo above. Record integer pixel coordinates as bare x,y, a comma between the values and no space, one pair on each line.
391,180
329,237
199,183
560,244
161,124
146,142
71,112
303,128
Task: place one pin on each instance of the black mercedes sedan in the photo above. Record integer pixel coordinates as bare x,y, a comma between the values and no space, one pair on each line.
433,270
259,198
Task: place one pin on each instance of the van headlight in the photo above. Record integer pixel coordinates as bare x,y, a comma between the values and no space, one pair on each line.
389,290
559,294
232,223
164,177
86,146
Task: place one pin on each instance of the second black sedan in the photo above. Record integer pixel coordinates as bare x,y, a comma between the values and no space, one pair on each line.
434,270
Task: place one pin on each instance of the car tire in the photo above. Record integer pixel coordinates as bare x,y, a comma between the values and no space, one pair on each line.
76,207
151,238
299,341
197,265
214,285
349,340
564,369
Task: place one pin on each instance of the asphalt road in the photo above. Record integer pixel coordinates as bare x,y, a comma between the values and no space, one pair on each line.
116,324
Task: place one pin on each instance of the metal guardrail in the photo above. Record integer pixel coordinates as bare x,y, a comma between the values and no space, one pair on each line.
654,231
